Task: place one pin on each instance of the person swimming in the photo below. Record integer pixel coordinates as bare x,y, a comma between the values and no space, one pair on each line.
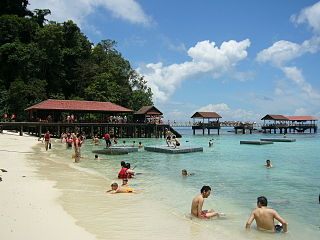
185,173
116,189
268,164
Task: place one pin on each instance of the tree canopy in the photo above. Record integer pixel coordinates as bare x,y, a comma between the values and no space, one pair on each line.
42,59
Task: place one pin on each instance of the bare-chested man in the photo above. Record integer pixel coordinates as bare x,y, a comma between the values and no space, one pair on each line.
265,216
197,203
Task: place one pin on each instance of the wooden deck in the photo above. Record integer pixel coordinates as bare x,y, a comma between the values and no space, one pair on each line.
120,130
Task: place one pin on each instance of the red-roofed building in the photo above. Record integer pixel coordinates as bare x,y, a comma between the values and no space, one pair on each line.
148,114
209,125
56,109
289,123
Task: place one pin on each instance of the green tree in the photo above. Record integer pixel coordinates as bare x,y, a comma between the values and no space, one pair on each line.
15,7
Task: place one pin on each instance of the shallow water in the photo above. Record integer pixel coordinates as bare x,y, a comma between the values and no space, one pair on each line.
235,172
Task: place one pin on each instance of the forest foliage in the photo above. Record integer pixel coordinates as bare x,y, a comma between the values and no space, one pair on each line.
42,59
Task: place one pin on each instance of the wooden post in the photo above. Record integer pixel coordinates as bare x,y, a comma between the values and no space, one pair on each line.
59,131
218,131
208,131
202,130
91,132
40,131
21,130
236,130
243,130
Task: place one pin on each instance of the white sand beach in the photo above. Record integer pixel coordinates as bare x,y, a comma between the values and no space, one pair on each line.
29,207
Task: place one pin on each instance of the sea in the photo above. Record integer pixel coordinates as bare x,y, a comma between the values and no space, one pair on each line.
161,207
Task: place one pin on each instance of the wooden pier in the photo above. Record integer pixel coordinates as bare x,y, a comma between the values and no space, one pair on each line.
120,130
243,128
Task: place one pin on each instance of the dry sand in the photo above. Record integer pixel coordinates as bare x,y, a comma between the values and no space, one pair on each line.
29,207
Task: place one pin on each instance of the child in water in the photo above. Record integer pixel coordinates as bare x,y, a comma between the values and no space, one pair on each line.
268,164
116,189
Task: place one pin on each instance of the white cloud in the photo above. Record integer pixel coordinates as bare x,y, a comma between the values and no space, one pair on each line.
229,114
62,10
295,74
309,15
283,51
301,112
206,58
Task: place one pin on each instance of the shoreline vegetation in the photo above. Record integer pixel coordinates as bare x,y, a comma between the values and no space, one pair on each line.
43,59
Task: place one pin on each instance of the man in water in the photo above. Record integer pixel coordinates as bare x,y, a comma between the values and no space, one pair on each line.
268,164
197,203
265,216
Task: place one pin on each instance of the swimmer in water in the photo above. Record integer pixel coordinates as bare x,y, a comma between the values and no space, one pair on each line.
185,173
210,143
268,164
116,189
265,216
197,203
140,145
95,140
96,157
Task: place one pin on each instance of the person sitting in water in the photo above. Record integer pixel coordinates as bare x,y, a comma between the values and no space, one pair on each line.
116,189
140,145
197,203
185,173
129,171
133,144
123,143
265,216
175,142
95,140
123,171
124,182
210,143
268,164
96,157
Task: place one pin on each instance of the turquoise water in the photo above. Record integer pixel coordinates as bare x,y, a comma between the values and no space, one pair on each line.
236,174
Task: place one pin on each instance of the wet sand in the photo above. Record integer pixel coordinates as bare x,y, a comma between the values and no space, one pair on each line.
29,207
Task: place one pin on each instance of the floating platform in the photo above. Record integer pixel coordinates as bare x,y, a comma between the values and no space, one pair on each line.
278,139
256,142
180,149
116,150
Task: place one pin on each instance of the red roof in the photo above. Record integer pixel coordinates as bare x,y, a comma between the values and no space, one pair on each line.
275,117
302,118
74,105
206,115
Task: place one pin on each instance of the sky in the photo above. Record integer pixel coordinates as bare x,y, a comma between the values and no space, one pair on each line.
242,59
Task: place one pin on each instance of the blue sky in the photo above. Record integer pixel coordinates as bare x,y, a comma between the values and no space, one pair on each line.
243,59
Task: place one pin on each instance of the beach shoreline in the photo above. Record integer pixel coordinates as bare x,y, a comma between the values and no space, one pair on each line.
29,206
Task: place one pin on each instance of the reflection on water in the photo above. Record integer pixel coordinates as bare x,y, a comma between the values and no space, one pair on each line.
235,172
